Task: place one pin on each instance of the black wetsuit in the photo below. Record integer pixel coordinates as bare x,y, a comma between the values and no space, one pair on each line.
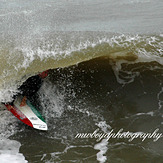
31,86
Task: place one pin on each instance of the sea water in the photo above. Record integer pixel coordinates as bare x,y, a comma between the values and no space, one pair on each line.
106,74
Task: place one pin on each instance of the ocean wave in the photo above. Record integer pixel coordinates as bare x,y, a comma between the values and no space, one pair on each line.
29,56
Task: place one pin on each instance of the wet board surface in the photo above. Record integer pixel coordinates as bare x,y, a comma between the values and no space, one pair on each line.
28,114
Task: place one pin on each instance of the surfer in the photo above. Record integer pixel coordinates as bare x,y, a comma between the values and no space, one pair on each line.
23,109
30,87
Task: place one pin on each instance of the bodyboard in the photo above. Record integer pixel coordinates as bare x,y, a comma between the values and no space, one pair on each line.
28,114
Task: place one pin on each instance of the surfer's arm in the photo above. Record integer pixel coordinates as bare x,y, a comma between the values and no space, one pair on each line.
44,74
23,102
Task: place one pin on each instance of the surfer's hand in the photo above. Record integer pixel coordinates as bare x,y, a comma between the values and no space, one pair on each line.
23,103
44,74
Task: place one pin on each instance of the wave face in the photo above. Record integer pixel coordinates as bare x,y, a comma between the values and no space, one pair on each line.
21,59
106,72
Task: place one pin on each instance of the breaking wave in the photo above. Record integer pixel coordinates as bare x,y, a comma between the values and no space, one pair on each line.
22,58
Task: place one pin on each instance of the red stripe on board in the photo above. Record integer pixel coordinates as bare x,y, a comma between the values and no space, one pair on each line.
18,114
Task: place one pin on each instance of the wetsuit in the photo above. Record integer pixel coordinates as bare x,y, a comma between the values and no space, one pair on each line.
31,86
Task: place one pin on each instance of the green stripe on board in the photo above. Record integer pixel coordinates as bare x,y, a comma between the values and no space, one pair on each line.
37,113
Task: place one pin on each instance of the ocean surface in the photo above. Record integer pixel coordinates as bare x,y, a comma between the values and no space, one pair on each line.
106,74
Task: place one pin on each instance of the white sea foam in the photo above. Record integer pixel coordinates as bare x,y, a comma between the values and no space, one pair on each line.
58,50
160,100
9,149
103,145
